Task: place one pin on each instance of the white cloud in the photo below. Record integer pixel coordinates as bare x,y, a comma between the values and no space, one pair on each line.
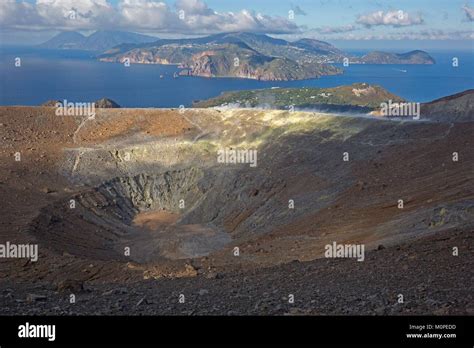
391,18
13,13
145,14
193,7
469,11
136,15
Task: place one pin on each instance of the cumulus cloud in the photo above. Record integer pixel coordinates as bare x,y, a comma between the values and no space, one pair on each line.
146,14
13,13
186,17
469,12
390,18
194,7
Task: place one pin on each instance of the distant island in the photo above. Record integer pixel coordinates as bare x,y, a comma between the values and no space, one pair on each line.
100,41
412,57
238,55
358,97
355,98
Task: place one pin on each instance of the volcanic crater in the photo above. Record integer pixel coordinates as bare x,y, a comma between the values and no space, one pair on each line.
137,195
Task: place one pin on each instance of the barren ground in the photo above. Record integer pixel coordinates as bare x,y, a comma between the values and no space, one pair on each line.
129,171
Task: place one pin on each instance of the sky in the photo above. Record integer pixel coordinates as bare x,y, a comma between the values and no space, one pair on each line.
356,23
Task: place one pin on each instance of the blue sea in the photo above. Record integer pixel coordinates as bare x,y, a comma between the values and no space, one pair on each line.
77,76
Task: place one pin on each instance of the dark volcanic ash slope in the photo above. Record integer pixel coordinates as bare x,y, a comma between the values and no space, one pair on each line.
149,180
458,107
431,280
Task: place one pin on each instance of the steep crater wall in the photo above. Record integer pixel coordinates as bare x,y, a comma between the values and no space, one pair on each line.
99,222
